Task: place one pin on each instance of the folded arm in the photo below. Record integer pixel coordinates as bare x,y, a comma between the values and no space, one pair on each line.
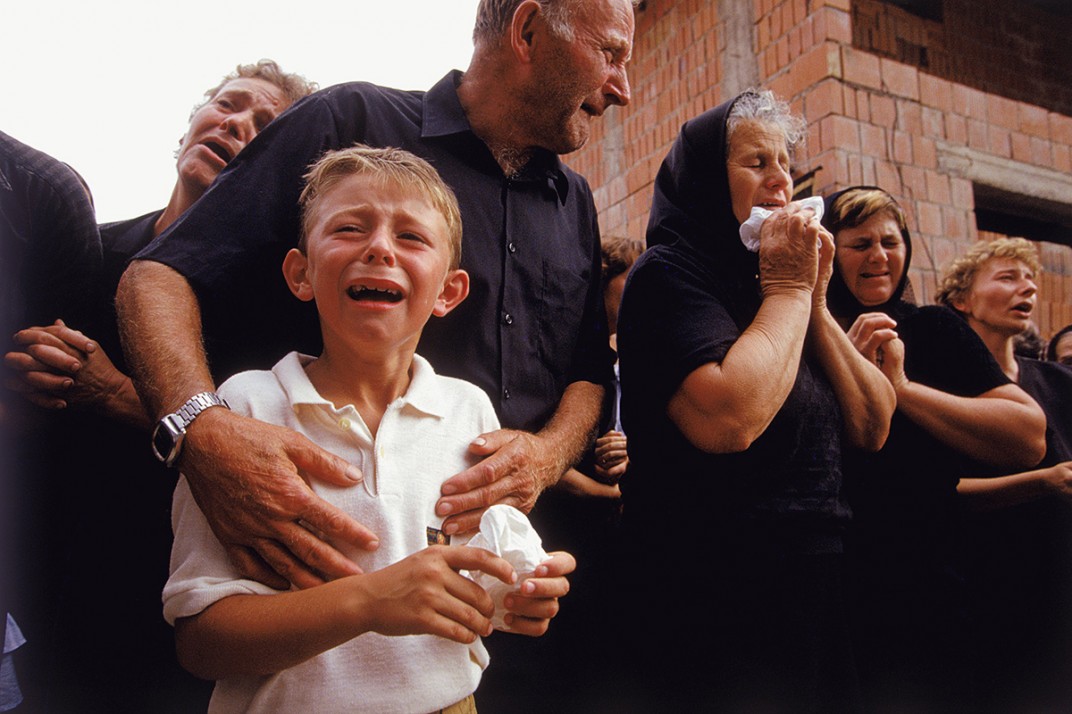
1003,427
988,494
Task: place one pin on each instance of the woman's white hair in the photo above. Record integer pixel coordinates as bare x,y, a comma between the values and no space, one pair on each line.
764,106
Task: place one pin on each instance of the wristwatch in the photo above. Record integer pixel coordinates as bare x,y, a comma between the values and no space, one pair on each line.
171,430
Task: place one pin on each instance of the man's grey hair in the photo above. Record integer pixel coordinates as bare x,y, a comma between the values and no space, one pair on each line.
494,16
764,106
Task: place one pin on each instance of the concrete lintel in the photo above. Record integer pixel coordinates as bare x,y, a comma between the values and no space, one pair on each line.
1006,175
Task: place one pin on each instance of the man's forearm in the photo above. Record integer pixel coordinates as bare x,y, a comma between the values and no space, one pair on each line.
572,428
160,326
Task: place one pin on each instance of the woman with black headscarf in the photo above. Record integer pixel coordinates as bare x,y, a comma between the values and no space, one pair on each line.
737,389
957,413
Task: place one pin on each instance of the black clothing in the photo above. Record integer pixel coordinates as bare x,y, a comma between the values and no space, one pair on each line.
533,322
50,249
1050,384
120,241
905,581
104,645
731,562
49,254
1021,575
904,498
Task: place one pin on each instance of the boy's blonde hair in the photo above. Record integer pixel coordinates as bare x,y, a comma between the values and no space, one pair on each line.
959,276
393,167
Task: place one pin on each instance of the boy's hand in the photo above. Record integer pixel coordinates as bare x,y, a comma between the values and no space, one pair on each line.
532,608
250,480
612,457
424,594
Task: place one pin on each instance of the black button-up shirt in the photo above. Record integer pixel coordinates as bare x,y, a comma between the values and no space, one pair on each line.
533,322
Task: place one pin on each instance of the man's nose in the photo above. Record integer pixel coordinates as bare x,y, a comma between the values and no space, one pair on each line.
616,88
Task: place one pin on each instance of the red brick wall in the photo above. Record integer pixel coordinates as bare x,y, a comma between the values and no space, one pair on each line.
872,119
1012,49
674,76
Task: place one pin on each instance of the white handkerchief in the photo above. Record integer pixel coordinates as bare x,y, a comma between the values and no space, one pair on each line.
507,533
750,228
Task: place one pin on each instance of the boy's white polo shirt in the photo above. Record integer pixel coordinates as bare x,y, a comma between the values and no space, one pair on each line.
421,441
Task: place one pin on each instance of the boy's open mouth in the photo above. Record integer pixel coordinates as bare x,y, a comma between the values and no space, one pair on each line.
366,293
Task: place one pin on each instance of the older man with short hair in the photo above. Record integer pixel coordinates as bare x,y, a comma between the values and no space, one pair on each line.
532,334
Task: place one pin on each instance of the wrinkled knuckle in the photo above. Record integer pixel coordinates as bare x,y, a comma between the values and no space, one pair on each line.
333,521
487,474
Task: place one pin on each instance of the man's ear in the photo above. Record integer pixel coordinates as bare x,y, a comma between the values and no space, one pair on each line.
528,18
455,289
296,272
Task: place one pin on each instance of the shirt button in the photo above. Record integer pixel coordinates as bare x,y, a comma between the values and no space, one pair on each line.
506,394
344,423
508,319
512,247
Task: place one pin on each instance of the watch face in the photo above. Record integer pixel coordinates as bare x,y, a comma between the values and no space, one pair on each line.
163,442
167,437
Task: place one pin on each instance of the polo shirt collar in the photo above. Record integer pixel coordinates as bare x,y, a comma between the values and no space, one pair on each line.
424,392
442,115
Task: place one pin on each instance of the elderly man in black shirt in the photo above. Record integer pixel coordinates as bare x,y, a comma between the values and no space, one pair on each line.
532,334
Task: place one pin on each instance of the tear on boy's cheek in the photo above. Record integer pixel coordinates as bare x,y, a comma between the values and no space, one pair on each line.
436,536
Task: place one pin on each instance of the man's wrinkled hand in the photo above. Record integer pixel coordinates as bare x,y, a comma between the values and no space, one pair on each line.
516,468
45,368
251,479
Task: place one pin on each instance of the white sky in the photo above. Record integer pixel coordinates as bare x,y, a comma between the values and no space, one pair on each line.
107,85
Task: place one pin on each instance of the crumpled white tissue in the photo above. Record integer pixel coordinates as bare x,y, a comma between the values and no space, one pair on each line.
750,228
507,533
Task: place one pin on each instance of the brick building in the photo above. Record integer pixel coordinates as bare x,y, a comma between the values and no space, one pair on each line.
962,109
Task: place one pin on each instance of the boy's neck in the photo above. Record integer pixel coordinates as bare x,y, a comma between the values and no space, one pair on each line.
370,385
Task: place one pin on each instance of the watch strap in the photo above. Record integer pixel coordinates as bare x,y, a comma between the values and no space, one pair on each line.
197,404
170,431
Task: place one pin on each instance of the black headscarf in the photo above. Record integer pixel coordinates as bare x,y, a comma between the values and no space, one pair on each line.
692,208
839,299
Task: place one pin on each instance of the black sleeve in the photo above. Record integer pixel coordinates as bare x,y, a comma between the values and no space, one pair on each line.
253,205
942,351
670,323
